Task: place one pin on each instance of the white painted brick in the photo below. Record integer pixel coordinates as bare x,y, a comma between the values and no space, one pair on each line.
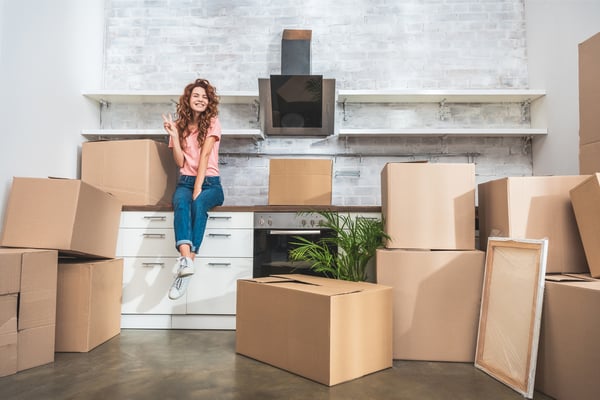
164,44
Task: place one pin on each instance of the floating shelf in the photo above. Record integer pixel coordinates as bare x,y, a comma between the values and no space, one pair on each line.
486,132
106,134
437,96
157,96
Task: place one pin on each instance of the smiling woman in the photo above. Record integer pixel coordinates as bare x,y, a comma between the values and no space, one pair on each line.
194,138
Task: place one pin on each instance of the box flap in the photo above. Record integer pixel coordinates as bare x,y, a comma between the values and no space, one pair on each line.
312,284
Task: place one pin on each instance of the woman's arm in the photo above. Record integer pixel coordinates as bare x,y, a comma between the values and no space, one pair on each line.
171,129
207,148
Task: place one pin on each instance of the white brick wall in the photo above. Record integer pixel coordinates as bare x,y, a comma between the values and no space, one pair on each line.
363,44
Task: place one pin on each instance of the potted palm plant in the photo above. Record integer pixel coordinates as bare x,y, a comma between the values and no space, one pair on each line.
346,254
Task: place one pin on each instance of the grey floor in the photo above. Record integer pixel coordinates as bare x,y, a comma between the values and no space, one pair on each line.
162,364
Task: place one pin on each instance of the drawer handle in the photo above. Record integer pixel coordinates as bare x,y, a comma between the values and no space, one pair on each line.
213,264
154,235
218,217
219,234
153,264
155,217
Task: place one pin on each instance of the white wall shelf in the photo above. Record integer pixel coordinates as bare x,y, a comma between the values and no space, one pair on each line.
115,134
487,132
158,96
437,96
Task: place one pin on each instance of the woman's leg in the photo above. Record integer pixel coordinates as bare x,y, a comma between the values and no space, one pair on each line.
211,196
182,214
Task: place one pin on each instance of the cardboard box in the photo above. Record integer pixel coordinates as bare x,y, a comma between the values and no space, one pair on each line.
88,303
437,299
8,354
585,199
569,349
534,207
35,346
589,91
589,158
429,206
74,217
35,271
326,330
300,182
10,271
137,172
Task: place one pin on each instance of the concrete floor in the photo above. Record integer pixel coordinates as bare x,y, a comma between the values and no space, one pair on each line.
177,364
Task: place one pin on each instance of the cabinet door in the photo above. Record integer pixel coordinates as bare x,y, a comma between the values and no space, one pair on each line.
146,219
227,243
213,287
139,242
227,220
146,283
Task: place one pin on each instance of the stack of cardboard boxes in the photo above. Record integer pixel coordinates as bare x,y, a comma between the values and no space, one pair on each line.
431,261
72,303
76,220
563,209
27,308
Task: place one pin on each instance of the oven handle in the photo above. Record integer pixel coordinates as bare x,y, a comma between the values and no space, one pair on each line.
297,232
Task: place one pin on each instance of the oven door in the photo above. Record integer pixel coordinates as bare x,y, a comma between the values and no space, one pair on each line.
272,251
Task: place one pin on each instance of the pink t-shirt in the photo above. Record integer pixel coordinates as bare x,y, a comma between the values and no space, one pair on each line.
191,151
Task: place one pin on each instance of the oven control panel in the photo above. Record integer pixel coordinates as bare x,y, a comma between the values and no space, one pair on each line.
287,220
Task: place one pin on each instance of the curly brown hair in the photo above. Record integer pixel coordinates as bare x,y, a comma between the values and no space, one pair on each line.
185,114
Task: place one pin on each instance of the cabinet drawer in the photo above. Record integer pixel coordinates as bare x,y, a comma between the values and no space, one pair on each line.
139,242
222,219
146,283
146,219
227,243
213,287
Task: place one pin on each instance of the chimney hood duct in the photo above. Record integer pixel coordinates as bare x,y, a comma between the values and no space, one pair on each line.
295,52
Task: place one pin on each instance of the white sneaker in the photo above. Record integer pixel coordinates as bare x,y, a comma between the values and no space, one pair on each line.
186,266
179,287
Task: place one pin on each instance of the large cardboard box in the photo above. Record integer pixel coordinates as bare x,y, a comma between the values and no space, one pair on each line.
429,206
62,214
300,182
437,298
88,303
589,158
569,349
137,172
534,207
585,198
326,330
589,91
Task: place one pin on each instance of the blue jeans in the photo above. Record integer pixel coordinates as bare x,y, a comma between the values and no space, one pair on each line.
190,216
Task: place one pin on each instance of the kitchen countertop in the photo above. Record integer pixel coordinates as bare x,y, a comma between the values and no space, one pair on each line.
266,208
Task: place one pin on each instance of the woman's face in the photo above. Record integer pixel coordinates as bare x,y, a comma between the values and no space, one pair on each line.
198,100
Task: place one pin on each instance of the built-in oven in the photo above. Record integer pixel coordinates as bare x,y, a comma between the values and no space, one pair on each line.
274,235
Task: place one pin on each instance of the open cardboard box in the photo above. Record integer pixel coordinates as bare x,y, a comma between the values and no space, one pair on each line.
327,330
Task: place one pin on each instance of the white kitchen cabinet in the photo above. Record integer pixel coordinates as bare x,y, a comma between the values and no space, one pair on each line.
531,101
147,244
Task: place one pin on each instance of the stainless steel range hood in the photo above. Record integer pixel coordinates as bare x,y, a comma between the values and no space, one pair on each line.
296,103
